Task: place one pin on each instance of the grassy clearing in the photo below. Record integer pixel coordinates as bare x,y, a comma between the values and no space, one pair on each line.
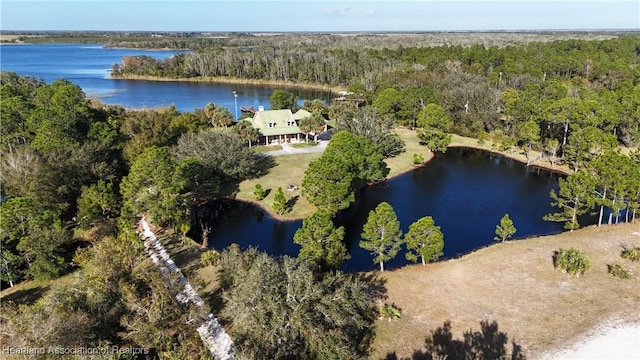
515,284
28,292
265,148
304,145
404,162
289,170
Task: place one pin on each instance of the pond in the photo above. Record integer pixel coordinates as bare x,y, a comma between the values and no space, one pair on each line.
466,191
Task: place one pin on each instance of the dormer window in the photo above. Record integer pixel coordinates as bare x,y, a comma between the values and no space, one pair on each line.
271,124
289,123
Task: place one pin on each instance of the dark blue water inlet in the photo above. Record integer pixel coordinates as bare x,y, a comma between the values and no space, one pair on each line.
466,191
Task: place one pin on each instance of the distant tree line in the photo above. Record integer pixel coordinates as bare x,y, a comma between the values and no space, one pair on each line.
559,86
349,60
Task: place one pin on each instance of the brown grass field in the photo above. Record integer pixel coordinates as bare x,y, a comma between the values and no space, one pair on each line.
514,284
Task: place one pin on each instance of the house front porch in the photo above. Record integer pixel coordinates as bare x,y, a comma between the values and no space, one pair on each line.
283,138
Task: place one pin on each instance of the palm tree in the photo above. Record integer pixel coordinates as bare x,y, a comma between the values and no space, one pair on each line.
314,123
246,131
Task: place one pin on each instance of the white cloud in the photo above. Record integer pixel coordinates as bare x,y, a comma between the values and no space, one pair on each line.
369,12
344,10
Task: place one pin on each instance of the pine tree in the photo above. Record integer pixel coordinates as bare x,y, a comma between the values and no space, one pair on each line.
322,244
381,235
279,202
424,239
574,198
505,229
258,192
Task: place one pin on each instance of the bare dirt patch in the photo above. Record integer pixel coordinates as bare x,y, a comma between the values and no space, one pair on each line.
515,285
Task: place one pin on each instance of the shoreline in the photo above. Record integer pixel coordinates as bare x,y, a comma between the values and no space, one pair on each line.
472,143
555,169
232,80
428,158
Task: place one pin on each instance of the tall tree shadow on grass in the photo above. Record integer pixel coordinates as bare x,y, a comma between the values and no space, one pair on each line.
25,296
376,286
263,164
291,202
229,188
488,343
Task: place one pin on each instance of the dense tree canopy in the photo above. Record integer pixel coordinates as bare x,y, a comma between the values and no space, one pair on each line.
348,163
282,99
117,298
150,187
33,240
220,151
368,122
281,309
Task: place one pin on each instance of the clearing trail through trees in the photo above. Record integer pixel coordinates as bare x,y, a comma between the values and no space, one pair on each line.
211,332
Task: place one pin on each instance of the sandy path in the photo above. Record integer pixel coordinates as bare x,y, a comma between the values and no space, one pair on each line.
606,342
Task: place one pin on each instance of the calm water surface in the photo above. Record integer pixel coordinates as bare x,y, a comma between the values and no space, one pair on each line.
465,191
89,66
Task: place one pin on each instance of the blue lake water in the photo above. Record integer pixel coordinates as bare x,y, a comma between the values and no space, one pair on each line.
465,191
89,66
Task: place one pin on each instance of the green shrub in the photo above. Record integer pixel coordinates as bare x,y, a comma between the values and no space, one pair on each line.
572,261
259,192
210,257
390,312
482,137
618,270
418,159
631,254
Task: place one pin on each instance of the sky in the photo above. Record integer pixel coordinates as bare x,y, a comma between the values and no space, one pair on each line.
318,15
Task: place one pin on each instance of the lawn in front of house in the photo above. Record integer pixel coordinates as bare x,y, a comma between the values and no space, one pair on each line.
265,148
303,145
288,170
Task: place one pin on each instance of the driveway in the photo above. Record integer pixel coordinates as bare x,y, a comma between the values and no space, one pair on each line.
287,149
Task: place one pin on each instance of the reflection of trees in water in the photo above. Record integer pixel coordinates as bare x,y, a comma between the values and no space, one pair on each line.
221,211
488,343
280,238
